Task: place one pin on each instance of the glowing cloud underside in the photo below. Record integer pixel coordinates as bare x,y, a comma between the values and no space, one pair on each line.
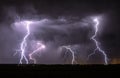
39,46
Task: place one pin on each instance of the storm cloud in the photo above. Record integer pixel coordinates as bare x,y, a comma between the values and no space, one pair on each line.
61,26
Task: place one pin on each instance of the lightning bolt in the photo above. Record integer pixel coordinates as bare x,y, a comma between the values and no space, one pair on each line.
72,52
40,47
23,44
97,43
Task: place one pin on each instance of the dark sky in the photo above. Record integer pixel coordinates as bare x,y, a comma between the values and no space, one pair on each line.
74,10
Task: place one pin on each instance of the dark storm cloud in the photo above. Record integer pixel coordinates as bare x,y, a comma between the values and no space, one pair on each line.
69,33
65,27
56,33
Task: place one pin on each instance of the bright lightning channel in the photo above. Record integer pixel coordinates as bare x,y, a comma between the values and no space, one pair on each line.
40,47
23,44
72,52
96,42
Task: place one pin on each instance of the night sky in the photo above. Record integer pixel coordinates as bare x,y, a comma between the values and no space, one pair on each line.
66,25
